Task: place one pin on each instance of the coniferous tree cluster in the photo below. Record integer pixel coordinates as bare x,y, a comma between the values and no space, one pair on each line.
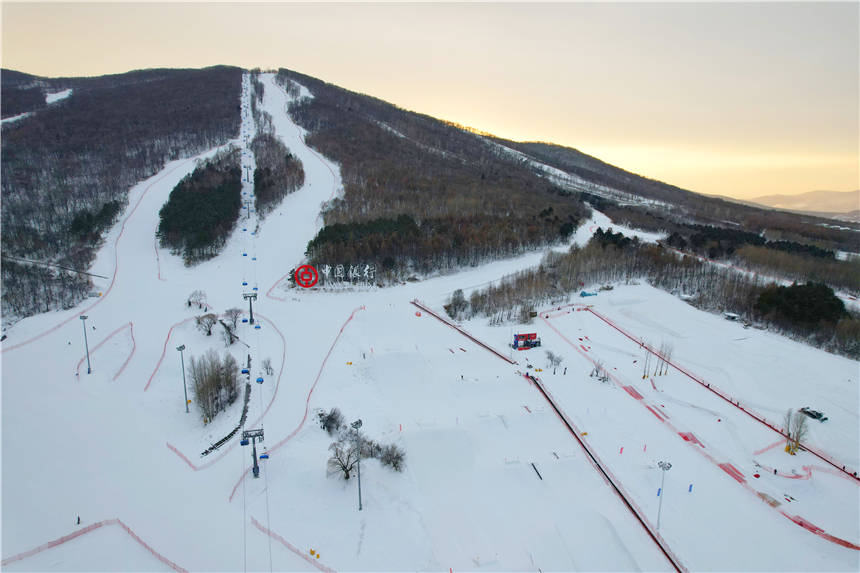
70,164
203,208
278,172
800,305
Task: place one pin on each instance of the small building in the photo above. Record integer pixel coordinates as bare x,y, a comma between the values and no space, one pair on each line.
526,341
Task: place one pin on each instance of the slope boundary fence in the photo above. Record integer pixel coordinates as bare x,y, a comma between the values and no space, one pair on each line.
89,529
291,547
609,477
727,397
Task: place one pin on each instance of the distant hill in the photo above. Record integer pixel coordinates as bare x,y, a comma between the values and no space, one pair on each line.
814,201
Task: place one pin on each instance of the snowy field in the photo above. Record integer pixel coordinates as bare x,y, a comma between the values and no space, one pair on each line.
116,447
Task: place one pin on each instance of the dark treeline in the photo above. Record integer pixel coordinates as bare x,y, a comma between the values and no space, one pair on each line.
843,275
72,163
718,242
707,287
277,173
203,208
469,201
791,260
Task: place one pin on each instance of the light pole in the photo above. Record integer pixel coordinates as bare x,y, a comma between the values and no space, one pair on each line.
184,385
355,426
665,466
86,344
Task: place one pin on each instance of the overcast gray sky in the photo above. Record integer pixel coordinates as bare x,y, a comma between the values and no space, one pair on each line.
739,99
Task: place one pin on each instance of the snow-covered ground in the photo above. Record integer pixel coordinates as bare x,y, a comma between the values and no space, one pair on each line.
57,96
117,444
15,118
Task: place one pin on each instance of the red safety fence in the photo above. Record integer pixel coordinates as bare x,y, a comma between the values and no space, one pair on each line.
610,478
728,398
88,529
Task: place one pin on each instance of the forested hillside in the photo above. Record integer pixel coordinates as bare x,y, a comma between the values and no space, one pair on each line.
680,206
421,195
807,312
66,169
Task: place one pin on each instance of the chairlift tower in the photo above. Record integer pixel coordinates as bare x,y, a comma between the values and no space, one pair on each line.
253,435
250,297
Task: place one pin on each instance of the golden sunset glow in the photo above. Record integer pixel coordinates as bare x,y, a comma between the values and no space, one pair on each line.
732,99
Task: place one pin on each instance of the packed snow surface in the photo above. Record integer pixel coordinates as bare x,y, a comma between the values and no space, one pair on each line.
117,448
57,96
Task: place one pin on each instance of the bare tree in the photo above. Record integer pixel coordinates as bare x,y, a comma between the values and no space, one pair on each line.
646,361
233,315
795,429
267,367
344,456
205,322
215,382
197,298
227,334
553,360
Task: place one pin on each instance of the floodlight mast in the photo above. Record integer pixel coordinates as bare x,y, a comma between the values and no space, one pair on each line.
184,385
356,425
665,466
86,344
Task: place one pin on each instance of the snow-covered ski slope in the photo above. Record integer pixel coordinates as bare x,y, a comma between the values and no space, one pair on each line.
116,447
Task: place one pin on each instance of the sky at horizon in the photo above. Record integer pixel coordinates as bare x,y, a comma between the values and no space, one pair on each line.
736,99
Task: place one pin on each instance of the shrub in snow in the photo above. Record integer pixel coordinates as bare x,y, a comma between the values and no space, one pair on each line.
393,457
331,421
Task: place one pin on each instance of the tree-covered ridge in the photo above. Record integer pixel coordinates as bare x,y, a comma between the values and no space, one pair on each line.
686,206
469,201
64,164
809,312
278,172
203,208
717,242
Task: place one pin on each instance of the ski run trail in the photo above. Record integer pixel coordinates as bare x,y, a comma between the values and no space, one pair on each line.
493,481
